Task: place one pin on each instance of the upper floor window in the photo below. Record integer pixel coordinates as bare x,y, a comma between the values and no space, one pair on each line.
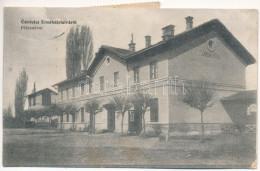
136,75
61,95
67,93
101,82
153,70
90,87
34,101
82,89
73,91
116,78
30,102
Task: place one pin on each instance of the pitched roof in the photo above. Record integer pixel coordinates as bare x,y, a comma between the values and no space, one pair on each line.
175,42
41,91
182,38
84,73
121,52
252,94
187,36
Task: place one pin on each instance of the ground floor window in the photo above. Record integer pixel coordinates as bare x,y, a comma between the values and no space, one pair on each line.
82,114
154,110
67,118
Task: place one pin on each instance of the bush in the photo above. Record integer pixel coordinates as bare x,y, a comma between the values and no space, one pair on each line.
230,128
86,129
157,129
30,124
102,131
156,132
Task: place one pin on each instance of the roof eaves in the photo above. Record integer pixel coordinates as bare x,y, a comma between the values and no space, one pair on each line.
68,80
40,91
145,49
108,48
212,24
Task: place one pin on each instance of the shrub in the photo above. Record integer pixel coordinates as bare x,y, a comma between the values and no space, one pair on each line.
157,129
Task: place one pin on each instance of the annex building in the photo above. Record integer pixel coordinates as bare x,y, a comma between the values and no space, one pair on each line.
209,51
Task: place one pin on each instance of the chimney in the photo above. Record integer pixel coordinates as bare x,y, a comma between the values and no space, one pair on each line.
132,44
168,32
34,87
189,23
147,41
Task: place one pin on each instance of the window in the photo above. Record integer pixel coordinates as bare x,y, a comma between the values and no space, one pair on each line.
61,95
67,93
30,102
153,70
73,118
101,81
116,78
132,116
67,118
82,89
108,61
154,110
90,87
136,75
82,114
34,101
73,91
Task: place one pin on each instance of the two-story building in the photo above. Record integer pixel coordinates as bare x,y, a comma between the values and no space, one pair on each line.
40,99
208,51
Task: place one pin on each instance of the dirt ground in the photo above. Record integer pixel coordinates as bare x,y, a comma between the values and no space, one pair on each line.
23,147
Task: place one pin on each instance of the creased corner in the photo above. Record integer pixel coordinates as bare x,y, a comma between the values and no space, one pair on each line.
254,165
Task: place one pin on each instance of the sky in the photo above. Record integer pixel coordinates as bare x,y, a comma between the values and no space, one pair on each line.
44,57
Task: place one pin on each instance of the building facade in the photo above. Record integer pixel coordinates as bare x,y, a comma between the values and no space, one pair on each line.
209,51
40,99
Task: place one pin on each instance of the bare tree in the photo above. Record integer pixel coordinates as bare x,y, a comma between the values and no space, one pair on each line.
141,101
199,95
57,110
71,109
122,104
93,107
79,50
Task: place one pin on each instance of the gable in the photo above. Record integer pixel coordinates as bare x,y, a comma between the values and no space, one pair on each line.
107,70
107,62
117,53
218,64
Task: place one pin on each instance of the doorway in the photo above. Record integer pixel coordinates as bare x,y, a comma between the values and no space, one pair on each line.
111,120
135,122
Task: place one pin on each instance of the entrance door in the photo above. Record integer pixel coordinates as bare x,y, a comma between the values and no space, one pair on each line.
135,121
111,120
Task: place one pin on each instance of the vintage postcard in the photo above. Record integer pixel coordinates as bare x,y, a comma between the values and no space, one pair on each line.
146,88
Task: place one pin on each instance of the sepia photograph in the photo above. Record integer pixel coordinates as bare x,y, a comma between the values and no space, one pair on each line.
129,88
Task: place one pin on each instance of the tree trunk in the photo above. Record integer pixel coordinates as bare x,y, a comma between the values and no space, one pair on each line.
73,120
94,117
61,116
122,124
202,127
144,124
